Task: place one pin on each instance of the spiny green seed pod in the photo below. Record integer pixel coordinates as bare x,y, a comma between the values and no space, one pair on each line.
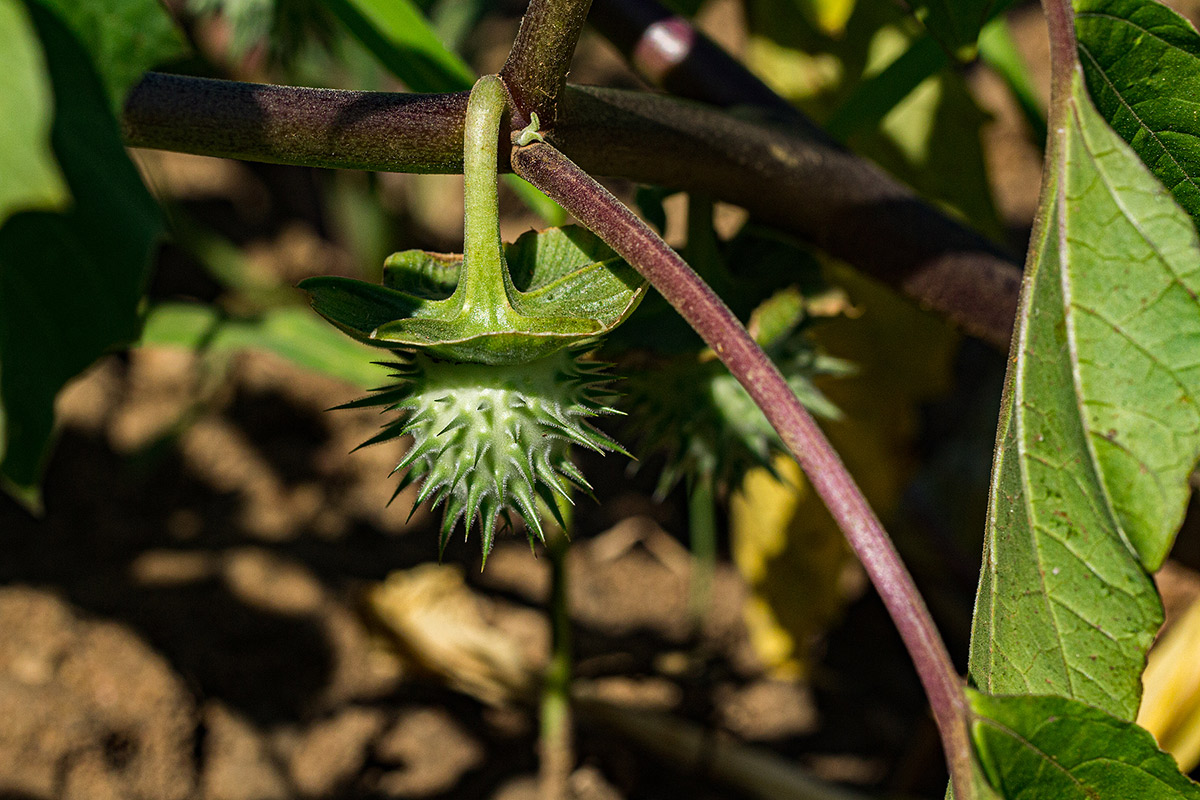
693,412
488,441
492,383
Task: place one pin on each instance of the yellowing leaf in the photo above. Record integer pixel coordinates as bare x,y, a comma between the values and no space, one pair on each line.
798,566
1171,690
438,625
795,561
800,77
830,16
903,357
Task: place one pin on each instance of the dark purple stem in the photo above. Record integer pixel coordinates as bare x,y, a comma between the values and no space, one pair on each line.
292,125
590,203
669,52
840,202
537,65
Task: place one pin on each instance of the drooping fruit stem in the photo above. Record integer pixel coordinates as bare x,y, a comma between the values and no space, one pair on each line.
548,169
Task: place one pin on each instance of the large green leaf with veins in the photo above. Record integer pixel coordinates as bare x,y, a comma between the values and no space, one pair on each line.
1142,62
70,282
1033,747
1099,428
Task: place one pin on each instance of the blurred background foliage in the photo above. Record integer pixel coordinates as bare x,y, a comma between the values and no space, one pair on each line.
200,256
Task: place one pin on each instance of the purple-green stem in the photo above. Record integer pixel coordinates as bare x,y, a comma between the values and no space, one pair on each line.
536,69
1060,21
670,53
595,207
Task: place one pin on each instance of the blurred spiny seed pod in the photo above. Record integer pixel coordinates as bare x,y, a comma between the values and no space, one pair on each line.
689,409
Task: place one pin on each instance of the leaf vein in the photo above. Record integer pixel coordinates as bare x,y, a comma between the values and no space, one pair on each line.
1140,121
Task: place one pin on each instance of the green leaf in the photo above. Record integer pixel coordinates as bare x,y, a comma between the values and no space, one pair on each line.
124,37
931,140
29,176
70,282
292,333
454,20
880,93
912,116
1041,747
1099,428
552,213
998,49
956,23
398,34
561,285
1142,62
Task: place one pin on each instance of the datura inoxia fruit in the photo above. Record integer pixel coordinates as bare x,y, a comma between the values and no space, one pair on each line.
692,411
493,379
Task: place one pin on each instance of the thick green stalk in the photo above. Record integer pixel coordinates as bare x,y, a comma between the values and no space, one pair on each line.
481,284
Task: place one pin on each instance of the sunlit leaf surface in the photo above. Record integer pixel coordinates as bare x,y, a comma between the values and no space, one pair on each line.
1142,62
1098,432
1043,747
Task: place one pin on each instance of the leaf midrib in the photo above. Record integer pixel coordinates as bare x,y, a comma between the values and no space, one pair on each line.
1069,311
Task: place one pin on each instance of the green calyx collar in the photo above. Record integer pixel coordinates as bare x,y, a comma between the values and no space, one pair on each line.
495,304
